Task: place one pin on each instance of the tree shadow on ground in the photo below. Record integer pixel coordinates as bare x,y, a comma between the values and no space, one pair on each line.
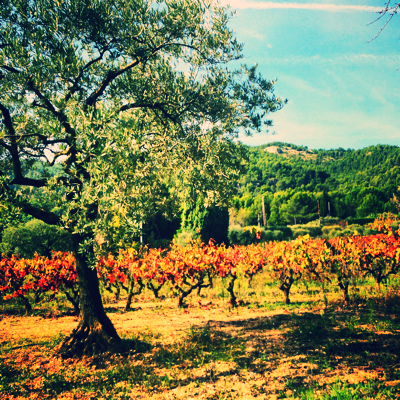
312,344
332,338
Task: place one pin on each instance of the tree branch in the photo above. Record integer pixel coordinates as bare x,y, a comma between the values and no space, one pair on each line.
392,10
10,69
131,106
46,216
40,136
47,105
154,107
19,179
111,75
75,87
7,120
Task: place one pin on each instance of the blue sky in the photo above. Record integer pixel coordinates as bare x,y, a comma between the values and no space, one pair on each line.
342,90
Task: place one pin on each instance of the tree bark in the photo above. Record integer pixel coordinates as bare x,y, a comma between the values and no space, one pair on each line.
155,289
287,298
27,305
231,291
73,299
344,286
285,288
185,293
132,293
95,332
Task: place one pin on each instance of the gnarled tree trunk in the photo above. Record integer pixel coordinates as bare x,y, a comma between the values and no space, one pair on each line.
95,332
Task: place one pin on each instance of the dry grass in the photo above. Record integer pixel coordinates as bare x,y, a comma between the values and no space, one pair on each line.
262,350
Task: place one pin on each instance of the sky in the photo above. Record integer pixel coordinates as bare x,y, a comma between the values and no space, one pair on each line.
343,89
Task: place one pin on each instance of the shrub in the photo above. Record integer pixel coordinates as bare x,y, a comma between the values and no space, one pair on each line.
395,226
299,232
279,235
312,228
33,237
237,235
330,232
330,220
183,238
268,236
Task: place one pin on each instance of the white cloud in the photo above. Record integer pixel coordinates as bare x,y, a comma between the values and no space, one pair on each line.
241,4
252,33
388,60
355,130
303,86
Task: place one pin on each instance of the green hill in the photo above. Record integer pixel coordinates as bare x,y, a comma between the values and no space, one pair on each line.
347,183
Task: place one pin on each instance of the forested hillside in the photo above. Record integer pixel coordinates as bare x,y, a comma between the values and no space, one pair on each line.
292,179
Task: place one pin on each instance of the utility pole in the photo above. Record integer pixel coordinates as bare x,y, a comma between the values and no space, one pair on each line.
319,214
263,210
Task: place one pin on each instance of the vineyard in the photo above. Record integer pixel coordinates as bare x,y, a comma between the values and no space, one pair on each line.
304,319
192,269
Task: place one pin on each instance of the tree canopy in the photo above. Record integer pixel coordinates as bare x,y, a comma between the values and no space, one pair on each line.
134,101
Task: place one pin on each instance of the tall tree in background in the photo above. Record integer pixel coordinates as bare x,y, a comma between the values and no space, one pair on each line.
206,222
301,208
131,97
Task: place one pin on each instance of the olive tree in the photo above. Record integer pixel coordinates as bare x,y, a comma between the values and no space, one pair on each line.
135,104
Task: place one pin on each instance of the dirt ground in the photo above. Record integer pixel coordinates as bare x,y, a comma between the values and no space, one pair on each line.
272,358
162,318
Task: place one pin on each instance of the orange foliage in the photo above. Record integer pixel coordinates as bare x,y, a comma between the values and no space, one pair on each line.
334,261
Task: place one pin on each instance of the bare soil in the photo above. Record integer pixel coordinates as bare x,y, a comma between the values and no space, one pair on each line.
274,353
